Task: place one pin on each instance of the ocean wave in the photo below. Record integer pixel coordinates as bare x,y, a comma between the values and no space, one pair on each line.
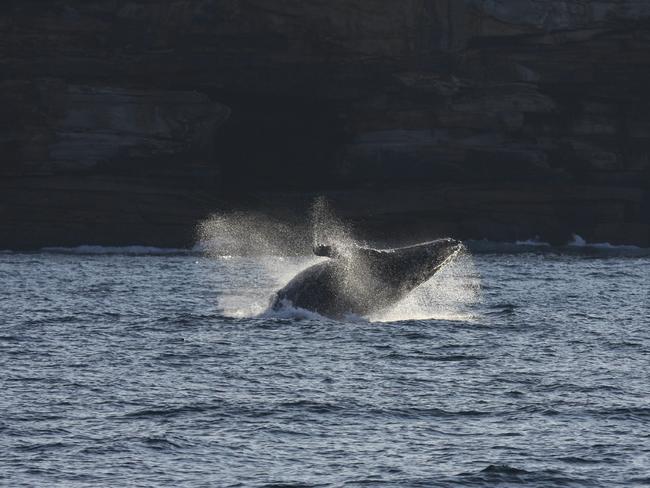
504,469
533,243
506,475
627,413
435,358
169,411
577,243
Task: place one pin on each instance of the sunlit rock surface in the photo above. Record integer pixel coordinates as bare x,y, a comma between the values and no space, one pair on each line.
125,122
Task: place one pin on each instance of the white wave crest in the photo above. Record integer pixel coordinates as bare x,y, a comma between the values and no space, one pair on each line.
578,241
533,242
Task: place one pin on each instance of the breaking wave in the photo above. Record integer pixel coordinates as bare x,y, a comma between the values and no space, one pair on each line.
576,244
577,241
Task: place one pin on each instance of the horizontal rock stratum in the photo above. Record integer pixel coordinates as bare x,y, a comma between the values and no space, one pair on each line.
125,122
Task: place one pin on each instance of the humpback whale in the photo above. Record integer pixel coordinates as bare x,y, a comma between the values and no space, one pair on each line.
359,280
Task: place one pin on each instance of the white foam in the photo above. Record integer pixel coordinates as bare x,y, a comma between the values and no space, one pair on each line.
288,311
607,245
578,241
242,306
111,250
533,242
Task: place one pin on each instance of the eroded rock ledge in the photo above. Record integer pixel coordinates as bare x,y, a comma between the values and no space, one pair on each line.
125,122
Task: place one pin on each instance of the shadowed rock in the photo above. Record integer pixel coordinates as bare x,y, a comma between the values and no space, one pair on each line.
416,94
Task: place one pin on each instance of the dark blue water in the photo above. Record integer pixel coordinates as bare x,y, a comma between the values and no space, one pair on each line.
141,370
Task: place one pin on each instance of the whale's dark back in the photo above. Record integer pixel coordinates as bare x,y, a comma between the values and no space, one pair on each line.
365,280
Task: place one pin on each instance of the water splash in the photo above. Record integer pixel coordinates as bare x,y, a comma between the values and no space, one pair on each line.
254,280
448,295
328,230
258,252
251,234
268,243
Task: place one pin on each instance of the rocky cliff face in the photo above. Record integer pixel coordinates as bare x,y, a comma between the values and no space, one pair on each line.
126,121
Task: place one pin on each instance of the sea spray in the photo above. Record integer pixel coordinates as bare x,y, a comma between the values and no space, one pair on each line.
242,233
252,234
328,230
448,295
276,251
255,245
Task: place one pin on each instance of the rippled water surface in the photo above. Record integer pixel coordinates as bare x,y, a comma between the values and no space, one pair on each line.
145,370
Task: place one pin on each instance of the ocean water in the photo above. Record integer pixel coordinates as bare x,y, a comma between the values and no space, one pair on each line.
518,365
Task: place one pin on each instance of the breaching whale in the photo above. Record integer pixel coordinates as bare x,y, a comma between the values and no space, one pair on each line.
358,280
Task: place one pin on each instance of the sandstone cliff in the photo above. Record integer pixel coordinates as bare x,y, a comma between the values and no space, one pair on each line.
126,121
